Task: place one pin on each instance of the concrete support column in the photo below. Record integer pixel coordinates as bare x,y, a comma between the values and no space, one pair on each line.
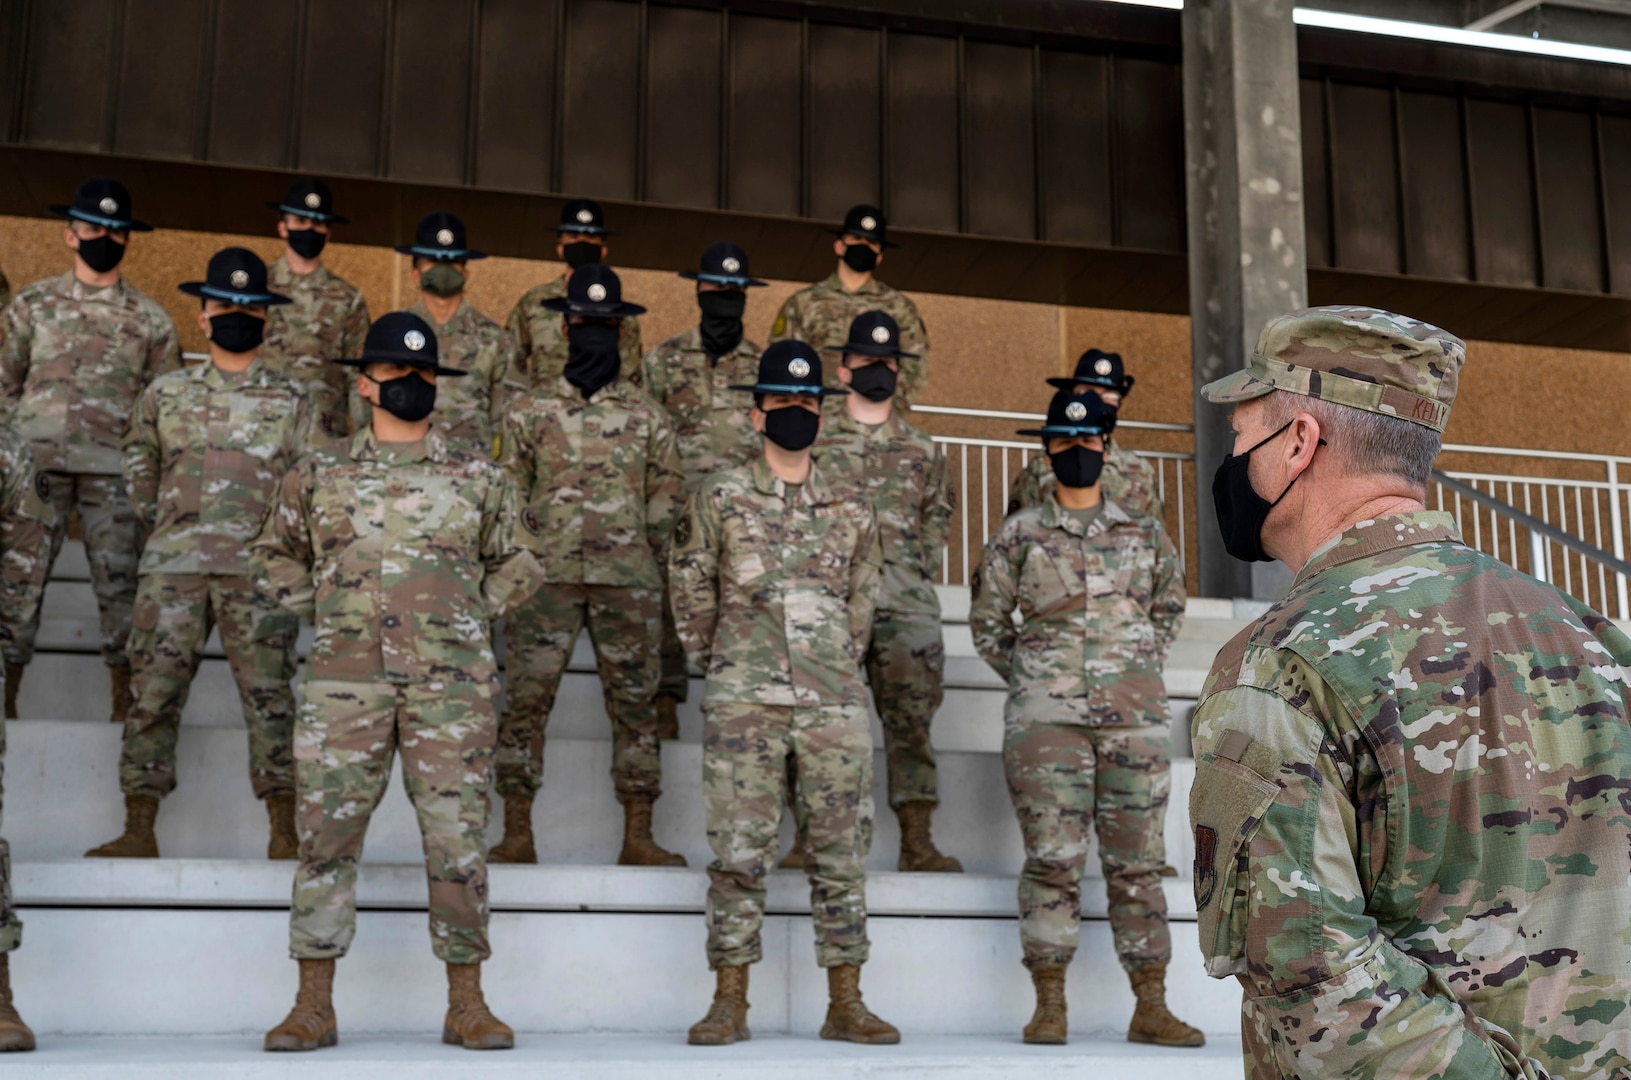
1247,260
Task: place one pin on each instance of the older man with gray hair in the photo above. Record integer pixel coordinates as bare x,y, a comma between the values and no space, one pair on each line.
1413,774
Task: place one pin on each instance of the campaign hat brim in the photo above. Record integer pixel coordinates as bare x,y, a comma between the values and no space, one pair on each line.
841,233
301,211
871,349
1049,432
116,224
802,389
585,230
409,359
1071,382
621,310
739,280
207,291
441,254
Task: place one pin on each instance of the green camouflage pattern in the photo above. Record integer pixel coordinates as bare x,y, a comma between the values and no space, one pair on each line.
905,665
1361,357
327,320
401,556
773,591
712,429
203,457
73,361
1062,777
174,616
346,736
1128,481
1411,805
748,752
1099,605
625,626
820,315
541,335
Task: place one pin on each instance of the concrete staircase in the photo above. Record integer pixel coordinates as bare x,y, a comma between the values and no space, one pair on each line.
606,961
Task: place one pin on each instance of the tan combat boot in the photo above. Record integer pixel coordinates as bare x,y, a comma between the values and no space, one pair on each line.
1048,1026
798,856
469,1022
283,844
121,694
14,1034
310,1024
639,849
917,850
727,1019
14,679
1152,1023
517,846
848,1018
138,841
668,717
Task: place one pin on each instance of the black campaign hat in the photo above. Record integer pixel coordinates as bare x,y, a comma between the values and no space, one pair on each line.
440,236
872,333
104,202
1096,368
236,275
1075,414
309,197
790,367
867,221
594,290
724,263
400,337
583,216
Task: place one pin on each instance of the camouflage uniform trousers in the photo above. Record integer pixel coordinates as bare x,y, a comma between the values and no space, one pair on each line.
905,666
345,738
625,628
113,545
174,614
11,927
746,750
1062,779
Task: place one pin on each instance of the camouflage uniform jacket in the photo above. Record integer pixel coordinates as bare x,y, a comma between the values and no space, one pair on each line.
1411,810
820,315
72,364
903,472
203,458
468,408
711,426
26,517
540,333
1128,481
1099,608
773,594
401,557
327,321
598,482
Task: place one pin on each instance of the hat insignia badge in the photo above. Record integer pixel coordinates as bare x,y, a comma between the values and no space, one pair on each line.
585,216
880,334
1101,366
108,205
414,340
730,264
444,237
239,279
869,223
1076,411
798,367
313,200
596,292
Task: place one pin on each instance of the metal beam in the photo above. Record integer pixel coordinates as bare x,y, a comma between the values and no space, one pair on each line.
1512,10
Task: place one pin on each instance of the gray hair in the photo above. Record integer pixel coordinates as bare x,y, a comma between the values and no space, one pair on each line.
1363,441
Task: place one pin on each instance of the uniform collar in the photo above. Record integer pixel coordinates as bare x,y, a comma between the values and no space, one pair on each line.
843,421
872,287
812,492
691,341
78,290
1363,539
458,315
214,378
280,274
1055,516
617,389
364,447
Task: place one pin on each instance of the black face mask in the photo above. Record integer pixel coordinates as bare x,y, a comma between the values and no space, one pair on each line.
101,254
792,427
1241,510
307,243
875,382
721,320
580,253
407,397
592,359
1077,466
860,258
237,332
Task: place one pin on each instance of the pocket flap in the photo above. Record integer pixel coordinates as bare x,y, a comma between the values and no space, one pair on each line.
1226,806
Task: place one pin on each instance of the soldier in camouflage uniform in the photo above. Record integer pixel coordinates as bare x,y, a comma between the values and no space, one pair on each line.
593,461
689,375
1100,596
821,313
327,316
1128,479
902,472
203,457
774,575
402,552
77,352
25,528
1412,773
539,331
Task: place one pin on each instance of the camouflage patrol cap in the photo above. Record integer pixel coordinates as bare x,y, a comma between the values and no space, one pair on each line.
1361,357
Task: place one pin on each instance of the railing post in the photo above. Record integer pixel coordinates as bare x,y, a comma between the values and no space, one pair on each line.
1537,556
1617,530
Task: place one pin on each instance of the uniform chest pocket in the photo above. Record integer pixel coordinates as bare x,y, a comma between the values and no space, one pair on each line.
438,507
1047,583
1226,806
254,424
338,516
747,543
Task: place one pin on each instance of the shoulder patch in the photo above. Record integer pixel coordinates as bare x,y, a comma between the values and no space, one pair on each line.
687,537
1206,875
779,327
530,520
334,426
